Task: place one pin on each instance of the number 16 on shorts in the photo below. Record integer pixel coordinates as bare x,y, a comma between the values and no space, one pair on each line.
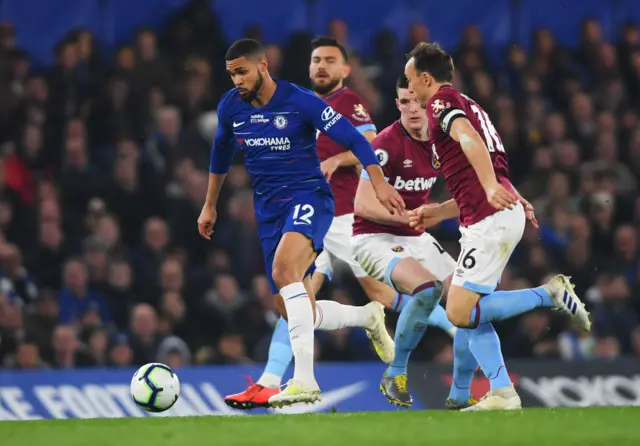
467,259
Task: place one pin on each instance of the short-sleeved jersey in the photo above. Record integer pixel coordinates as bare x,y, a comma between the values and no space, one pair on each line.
443,108
279,144
408,165
344,181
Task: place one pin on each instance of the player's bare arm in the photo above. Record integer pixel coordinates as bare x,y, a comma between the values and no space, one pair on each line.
221,155
477,153
431,214
344,159
367,206
208,215
387,195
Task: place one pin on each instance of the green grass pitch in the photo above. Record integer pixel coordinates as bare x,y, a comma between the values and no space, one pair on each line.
540,427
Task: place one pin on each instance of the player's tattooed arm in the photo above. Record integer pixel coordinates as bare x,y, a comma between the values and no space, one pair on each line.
477,153
367,206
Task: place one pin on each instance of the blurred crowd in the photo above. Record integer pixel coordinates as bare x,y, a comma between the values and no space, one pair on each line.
103,172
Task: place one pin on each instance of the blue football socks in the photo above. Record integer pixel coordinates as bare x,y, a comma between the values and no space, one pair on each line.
485,347
464,367
437,319
501,305
280,356
412,324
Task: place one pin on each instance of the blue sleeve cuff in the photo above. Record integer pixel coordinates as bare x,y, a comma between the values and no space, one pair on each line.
366,128
365,176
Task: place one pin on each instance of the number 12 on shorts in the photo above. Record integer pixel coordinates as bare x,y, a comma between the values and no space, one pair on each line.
466,259
302,214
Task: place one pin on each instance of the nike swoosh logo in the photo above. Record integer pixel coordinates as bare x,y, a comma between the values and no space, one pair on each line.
238,124
329,399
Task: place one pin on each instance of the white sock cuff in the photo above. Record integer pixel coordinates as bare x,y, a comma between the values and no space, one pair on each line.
293,290
319,315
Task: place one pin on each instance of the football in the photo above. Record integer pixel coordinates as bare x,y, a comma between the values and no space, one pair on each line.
155,387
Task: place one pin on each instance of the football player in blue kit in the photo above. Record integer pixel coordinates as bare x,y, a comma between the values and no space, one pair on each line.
274,124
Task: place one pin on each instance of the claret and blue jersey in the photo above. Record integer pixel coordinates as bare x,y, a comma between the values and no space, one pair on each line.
278,142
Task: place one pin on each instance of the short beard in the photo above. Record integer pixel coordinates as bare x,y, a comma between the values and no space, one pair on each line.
324,89
253,93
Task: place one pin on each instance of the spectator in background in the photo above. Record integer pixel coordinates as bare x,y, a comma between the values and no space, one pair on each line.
225,300
232,350
96,340
119,292
174,352
174,317
15,280
614,317
147,257
151,69
576,345
68,353
121,353
96,259
107,231
11,328
27,357
79,181
532,338
41,322
144,337
79,305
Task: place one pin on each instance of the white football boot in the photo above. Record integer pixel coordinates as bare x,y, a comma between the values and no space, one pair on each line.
296,392
565,299
505,398
377,332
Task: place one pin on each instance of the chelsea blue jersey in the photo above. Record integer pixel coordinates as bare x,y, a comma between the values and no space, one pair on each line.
278,142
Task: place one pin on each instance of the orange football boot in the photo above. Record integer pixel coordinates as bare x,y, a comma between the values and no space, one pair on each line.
254,396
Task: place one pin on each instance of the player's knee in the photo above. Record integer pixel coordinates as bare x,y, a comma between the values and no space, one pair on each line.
428,291
283,275
458,316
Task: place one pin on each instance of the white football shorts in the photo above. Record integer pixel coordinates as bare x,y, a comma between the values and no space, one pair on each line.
378,254
485,249
337,246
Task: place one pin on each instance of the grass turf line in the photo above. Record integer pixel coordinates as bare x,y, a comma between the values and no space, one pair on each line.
539,427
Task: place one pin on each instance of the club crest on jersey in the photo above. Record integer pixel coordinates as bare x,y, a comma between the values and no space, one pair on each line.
438,107
360,113
397,249
435,163
280,122
383,156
